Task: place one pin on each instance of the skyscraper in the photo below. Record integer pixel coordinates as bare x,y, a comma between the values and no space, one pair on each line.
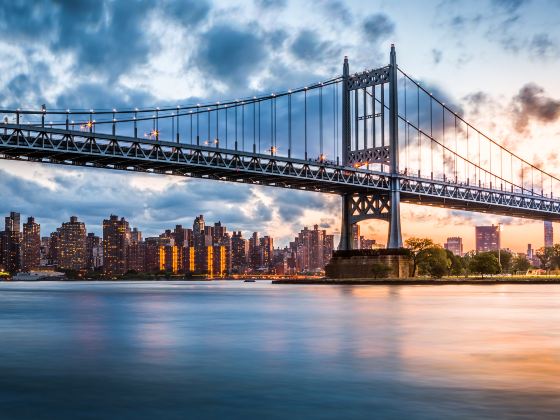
116,238
11,243
455,245
31,245
548,234
487,238
72,245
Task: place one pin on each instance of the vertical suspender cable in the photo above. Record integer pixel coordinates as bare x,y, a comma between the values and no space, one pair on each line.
305,122
289,124
321,122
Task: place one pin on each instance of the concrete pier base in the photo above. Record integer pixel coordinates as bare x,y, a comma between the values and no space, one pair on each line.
370,264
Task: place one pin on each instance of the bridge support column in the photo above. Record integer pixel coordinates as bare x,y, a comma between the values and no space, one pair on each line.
346,238
395,237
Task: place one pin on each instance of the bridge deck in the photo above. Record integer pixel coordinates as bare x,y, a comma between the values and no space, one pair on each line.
57,146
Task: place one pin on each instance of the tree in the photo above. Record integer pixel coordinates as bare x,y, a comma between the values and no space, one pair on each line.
457,264
484,263
434,261
546,257
504,258
415,246
520,263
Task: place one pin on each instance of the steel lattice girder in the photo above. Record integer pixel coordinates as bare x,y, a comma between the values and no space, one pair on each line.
127,153
57,146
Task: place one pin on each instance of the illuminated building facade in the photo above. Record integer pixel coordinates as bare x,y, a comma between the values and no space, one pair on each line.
239,253
31,245
72,245
11,243
94,249
487,238
116,238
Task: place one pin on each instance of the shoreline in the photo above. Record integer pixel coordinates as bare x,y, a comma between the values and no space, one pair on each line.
419,282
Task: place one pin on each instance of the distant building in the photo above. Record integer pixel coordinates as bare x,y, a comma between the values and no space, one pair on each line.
116,238
72,245
529,252
455,245
239,253
487,238
10,246
93,247
356,243
31,245
311,250
548,234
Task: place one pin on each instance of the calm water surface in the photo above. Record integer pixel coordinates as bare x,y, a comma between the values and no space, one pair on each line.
177,350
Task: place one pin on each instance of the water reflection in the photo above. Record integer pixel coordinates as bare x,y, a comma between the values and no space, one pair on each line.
229,349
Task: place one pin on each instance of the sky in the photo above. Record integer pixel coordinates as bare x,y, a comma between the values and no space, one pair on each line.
496,60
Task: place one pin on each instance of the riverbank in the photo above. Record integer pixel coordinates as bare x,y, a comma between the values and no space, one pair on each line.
425,282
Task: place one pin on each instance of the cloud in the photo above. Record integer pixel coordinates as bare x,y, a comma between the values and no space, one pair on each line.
542,46
509,6
377,27
271,4
337,10
231,54
308,46
531,103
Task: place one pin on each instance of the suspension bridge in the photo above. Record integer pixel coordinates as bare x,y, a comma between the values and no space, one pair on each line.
375,138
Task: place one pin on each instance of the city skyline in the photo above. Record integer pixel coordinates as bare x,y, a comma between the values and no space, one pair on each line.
512,108
202,249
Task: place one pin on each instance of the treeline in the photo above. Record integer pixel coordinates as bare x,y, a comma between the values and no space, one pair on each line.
430,259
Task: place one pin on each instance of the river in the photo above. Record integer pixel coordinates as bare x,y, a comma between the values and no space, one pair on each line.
228,349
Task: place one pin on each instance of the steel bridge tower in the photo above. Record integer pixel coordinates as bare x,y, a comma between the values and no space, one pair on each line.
377,205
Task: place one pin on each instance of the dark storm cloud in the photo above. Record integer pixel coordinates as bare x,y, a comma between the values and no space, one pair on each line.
231,54
107,37
309,46
531,103
377,27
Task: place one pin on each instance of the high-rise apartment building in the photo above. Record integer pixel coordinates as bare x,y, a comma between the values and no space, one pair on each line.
116,239
239,253
487,238
72,245
11,243
548,234
455,245
311,250
31,245
94,251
